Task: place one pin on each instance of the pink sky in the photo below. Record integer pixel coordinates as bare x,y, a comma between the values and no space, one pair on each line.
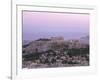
37,24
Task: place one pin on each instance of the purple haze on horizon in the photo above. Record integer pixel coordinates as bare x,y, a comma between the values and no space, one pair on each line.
45,25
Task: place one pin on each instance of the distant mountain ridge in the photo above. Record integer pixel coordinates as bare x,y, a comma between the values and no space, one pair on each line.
25,42
85,39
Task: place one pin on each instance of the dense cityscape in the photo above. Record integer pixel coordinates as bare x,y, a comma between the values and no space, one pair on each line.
55,52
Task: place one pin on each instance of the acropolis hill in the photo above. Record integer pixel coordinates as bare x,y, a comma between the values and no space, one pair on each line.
55,52
44,44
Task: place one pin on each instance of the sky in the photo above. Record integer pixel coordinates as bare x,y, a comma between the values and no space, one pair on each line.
49,24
